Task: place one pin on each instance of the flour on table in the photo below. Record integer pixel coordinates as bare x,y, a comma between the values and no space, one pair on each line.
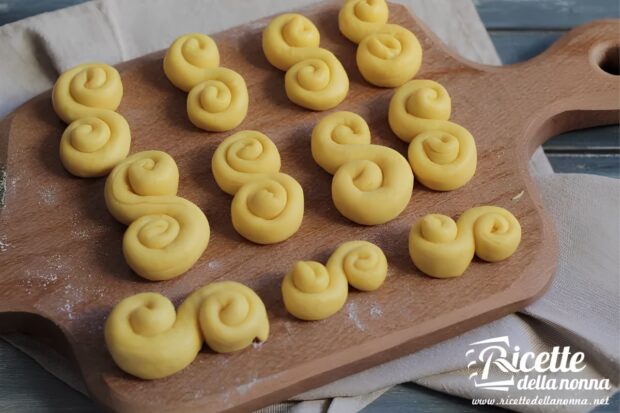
352,313
2,186
48,196
4,243
376,311
214,265
244,388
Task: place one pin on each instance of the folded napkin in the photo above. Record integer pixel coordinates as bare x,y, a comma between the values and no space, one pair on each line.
579,310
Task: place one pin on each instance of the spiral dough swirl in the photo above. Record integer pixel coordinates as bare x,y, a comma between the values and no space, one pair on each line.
268,206
312,291
84,90
363,264
388,55
218,97
372,184
442,248
315,78
166,234
442,154
148,339
92,146
97,138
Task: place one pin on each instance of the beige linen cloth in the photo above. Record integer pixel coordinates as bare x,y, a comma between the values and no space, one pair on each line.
581,309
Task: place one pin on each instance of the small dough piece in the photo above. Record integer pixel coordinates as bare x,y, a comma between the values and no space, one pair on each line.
92,146
372,184
312,291
190,59
220,103
218,97
166,234
442,248
149,340
82,91
442,154
315,79
360,18
388,55
268,206
363,263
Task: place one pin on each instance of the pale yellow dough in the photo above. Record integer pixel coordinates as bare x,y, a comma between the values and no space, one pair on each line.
92,146
84,90
268,206
388,55
372,184
166,234
363,263
442,154
315,79
312,291
97,138
218,97
148,339
442,248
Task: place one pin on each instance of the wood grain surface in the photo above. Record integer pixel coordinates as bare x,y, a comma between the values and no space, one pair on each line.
66,269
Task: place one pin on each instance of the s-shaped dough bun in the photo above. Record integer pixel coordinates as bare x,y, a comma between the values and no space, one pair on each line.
315,78
442,154
97,138
388,55
149,340
372,184
442,248
312,291
166,234
218,97
268,206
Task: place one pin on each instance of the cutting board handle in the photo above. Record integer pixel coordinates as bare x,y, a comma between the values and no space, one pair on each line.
574,83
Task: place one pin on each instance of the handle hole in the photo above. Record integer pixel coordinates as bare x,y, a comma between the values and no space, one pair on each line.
607,58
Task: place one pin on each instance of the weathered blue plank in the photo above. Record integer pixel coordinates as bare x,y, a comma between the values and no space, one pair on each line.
592,140
544,14
606,164
12,10
517,46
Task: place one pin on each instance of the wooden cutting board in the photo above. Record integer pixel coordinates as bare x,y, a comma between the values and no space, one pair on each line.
61,265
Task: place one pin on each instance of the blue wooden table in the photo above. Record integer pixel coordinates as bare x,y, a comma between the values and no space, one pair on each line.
520,29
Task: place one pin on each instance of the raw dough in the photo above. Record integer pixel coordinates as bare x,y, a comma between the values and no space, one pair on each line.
442,154
82,91
97,138
92,146
312,291
372,184
148,339
166,234
363,263
441,248
388,55
218,97
268,206
315,78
